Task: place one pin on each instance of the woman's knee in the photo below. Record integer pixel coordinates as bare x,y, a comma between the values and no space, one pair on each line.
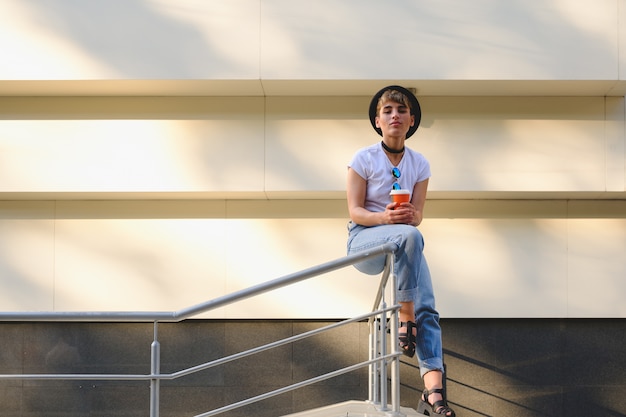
373,266
412,237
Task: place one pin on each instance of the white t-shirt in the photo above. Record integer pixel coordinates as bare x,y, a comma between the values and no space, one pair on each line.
372,164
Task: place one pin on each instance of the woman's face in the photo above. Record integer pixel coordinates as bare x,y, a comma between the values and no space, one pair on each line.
394,119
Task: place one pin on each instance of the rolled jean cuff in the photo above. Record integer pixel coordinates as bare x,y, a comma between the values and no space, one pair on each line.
406,296
432,364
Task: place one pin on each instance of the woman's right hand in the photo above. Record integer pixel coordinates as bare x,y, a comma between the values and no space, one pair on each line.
403,213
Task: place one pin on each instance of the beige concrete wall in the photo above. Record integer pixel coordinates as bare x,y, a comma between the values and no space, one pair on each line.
327,39
489,258
166,153
250,147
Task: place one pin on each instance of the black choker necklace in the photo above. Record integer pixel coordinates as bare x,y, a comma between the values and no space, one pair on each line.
390,150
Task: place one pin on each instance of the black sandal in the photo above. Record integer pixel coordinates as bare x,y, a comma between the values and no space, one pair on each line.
439,408
407,339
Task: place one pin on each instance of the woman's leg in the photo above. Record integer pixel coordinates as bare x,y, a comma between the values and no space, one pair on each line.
408,257
415,292
414,284
429,346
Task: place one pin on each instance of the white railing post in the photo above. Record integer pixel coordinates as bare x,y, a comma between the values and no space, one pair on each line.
373,367
155,370
395,362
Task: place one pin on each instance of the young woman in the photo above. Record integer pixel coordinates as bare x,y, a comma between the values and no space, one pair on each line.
374,171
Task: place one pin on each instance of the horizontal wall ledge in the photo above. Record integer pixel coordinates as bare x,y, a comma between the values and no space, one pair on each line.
90,196
526,195
335,87
299,195
303,209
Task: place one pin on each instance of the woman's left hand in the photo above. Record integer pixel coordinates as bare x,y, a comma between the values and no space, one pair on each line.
405,213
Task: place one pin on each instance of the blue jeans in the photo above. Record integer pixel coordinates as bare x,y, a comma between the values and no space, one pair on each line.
413,280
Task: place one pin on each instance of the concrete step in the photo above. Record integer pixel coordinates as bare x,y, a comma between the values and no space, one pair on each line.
354,409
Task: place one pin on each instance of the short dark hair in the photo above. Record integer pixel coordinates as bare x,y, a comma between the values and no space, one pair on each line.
395,96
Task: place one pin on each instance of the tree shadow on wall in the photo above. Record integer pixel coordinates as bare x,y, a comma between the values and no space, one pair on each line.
130,37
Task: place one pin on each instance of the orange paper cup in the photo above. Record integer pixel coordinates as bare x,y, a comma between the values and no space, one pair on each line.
400,196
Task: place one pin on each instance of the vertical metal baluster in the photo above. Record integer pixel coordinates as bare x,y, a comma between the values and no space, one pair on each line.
155,370
383,352
395,362
383,366
372,354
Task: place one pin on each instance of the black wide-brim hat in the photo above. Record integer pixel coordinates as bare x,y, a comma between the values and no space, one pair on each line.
415,108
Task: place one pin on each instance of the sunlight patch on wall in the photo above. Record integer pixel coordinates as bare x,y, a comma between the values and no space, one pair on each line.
262,250
118,264
38,53
26,264
597,268
128,155
502,267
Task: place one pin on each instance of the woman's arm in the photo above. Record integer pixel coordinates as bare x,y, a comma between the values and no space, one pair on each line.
356,188
407,213
418,200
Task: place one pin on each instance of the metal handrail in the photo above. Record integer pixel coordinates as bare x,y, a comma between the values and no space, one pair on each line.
379,358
